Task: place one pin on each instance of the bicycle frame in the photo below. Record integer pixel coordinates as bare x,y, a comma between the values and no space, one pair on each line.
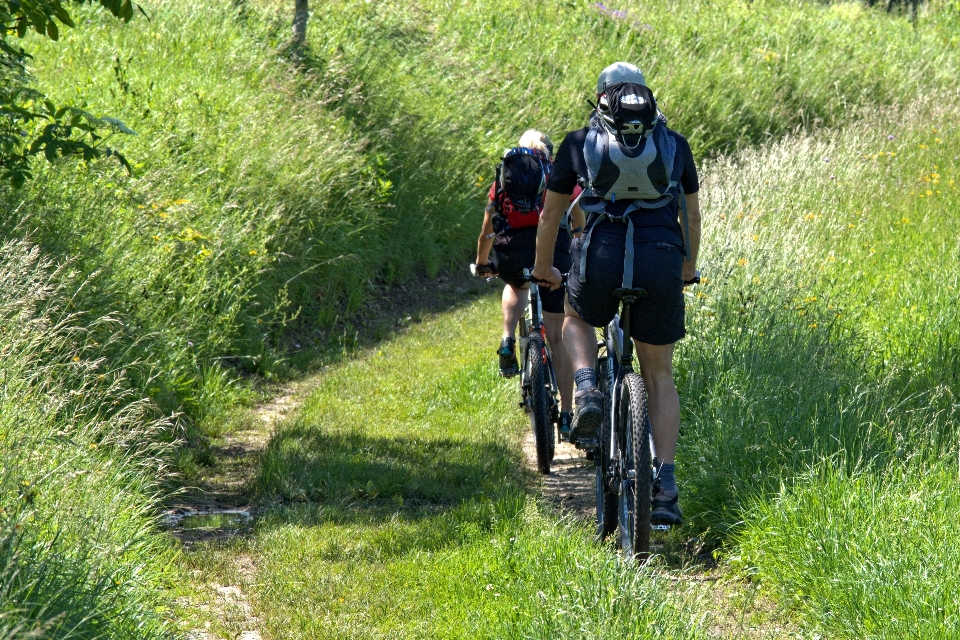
531,322
618,349
619,353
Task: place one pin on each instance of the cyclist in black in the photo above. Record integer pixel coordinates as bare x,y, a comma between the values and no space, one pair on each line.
512,237
614,156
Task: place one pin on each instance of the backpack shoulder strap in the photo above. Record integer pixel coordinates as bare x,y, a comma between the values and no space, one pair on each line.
498,190
686,222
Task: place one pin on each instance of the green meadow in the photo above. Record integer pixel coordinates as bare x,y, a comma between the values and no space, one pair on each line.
273,199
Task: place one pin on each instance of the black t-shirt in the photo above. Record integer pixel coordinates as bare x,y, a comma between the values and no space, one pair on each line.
652,225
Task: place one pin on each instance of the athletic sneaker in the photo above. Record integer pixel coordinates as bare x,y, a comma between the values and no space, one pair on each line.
666,509
587,416
565,420
508,358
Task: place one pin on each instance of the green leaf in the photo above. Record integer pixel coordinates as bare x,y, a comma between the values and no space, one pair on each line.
126,11
123,161
63,16
22,27
52,30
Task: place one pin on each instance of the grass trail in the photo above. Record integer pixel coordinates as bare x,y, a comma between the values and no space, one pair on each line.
400,507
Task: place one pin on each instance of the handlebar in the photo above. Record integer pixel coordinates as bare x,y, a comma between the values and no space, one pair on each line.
528,277
481,270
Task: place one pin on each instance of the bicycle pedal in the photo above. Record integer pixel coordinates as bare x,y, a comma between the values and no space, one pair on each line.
659,527
588,444
591,455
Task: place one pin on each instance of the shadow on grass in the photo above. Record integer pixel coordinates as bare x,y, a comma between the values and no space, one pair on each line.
307,464
387,496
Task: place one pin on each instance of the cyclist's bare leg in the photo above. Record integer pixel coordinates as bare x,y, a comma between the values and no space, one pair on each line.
513,302
580,340
553,324
656,367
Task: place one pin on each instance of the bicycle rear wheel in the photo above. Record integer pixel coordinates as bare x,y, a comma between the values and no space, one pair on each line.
636,468
605,493
535,366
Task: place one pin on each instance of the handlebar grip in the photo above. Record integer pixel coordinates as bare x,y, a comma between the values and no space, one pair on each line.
527,276
482,270
695,280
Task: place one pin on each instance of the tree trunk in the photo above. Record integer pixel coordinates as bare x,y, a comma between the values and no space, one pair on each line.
300,16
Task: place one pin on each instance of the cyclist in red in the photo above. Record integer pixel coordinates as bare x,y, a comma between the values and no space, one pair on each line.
511,233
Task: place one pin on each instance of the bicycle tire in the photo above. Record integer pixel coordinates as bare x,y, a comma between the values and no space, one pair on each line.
606,495
535,362
633,424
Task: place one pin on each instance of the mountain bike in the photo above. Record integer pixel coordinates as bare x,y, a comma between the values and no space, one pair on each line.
538,382
623,453
625,465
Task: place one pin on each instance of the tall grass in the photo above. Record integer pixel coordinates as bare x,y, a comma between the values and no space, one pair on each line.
820,381
268,194
79,456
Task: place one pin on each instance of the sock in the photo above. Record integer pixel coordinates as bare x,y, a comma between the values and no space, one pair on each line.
666,477
585,378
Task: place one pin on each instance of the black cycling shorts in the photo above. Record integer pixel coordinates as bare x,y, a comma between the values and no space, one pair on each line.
516,250
657,267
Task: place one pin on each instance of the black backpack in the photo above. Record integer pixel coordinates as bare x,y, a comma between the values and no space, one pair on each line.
521,180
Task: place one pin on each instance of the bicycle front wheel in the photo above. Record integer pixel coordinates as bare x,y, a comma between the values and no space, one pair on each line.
535,367
636,468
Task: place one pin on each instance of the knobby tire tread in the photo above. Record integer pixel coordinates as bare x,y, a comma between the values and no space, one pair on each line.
539,403
633,412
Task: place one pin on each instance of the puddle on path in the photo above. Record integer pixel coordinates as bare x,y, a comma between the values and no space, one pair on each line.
208,519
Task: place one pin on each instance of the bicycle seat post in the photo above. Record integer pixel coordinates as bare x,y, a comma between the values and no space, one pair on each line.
627,297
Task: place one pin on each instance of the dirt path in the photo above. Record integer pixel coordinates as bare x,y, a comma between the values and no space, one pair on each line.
227,487
570,483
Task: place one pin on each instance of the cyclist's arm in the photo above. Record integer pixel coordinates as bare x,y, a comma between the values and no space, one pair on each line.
485,242
554,206
691,231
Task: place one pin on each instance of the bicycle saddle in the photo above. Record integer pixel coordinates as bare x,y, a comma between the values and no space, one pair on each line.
629,295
